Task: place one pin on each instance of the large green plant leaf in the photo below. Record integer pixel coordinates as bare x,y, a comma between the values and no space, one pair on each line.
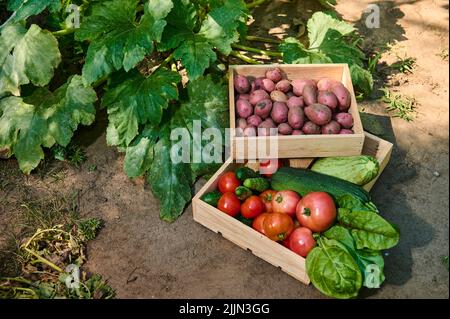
295,52
26,56
117,38
27,8
43,119
150,152
138,100
320,23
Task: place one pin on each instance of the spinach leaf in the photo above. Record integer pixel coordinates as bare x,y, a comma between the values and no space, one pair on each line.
354,203
370,263
369,229
332,269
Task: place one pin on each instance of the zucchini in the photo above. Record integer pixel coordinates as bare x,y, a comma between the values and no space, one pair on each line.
359,170
259,184
305,181
242,173
211,198
243,192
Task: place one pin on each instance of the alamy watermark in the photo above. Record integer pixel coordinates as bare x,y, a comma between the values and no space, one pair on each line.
73,18
373,17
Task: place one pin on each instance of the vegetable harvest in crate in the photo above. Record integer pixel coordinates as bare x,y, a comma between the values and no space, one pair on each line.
321,214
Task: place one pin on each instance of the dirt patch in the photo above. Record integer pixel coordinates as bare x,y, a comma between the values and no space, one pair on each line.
143,257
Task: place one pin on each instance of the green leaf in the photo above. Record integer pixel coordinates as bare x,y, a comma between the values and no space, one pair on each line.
332,269
338,50
27,8
139,155
117,40
29,56
295,52
320,23
361,78
138,100
43,119
369,229
370,263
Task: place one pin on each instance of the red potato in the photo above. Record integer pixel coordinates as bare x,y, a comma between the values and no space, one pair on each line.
257,96
250,131
264,128
278,96
346,131
241,123
244,109
295,101
284,86
325,84
309,94
267,85
343,96
310,128
274,74
241,84
318,114
254,120
284,129
296,117
257,84
299,84
297,132
331,128
243,96
344,119
279,112
263,108
328,98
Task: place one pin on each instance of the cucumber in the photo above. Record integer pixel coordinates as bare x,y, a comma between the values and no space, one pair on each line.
359,170
243,192
305,181
211,198
259,184
246,221
242,173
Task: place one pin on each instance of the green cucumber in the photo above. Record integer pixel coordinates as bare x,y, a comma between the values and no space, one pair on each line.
211,198
259,184
305,181
243,192
242,173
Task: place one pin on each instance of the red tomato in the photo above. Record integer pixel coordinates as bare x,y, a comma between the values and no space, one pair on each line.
228,182
268,167
258,223
278,226
252,207
229,203
285,202
267,197
301,241
316,211
285,242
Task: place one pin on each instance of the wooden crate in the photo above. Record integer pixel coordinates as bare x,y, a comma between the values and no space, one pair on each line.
249,239
299,145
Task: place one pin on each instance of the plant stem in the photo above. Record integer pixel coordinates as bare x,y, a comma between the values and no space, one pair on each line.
63,32
43,260
243,57
250,49
255,3
166,61
261,39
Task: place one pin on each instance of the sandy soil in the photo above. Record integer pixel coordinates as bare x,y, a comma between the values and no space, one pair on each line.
144,257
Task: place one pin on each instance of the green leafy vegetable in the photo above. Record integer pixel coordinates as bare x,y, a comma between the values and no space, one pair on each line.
369,229
370,263
333,270
27,8
34,57
43,119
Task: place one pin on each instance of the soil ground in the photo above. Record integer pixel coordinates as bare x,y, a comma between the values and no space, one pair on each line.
144,257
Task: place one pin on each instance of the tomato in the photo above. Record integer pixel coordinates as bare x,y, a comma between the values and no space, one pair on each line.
285,202
278,226
229,203
258,223
268,167
301,241
267,197
252,207
285,242
228,182
316,211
